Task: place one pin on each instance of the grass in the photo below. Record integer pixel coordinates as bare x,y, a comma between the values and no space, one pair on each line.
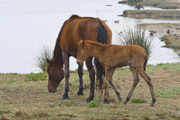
136,37
138,100
35,77
40,60
92,104
30,100
169,92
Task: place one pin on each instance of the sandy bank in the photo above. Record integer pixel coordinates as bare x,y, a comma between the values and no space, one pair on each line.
170,32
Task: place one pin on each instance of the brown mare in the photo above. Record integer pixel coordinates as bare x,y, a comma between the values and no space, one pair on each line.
112,56
74,29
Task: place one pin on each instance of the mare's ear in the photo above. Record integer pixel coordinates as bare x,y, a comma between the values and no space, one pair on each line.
48,61
81,43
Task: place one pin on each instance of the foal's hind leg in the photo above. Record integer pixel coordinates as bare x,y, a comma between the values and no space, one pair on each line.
135,82
111,82
148,81
80,73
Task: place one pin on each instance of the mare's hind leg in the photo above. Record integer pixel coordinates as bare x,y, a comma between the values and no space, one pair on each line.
111,82
135,82
99,74
92,78
80,73
65,56
148,81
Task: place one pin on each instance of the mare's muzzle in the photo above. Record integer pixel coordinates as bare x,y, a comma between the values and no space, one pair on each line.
51,90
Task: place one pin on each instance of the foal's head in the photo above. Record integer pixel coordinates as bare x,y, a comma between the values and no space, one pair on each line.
82,53
55,75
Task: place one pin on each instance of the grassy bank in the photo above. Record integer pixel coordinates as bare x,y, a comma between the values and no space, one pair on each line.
164,4
154,14
22,99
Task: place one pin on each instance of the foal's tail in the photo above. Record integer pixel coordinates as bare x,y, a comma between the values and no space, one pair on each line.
145,62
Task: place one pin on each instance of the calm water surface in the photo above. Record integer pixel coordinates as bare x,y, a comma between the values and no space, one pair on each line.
27,26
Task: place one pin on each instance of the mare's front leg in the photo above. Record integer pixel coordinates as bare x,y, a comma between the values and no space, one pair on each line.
80,73
92,78
65,56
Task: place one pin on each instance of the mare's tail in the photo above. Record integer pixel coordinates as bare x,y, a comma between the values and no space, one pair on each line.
102,38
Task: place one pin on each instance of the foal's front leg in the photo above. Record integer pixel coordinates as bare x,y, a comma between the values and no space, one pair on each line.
80,73
111,82
65,56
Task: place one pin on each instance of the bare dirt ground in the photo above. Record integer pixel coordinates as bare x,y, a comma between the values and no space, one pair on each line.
31,100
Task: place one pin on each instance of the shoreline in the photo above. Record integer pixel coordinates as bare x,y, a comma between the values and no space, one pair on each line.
171,39
152,14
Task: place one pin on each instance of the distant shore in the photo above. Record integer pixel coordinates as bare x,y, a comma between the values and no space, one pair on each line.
164,4
154,14
170,32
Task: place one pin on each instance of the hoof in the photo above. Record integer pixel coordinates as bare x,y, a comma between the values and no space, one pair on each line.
65,97
89,100
80,93
153,102
125,102
120,99
106,101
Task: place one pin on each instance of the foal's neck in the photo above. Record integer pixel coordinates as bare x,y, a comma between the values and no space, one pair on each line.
96,50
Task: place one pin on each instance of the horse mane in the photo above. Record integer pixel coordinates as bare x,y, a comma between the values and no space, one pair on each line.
97,44
57,55
74,17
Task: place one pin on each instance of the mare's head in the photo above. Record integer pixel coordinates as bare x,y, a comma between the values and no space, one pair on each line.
82,53
55,75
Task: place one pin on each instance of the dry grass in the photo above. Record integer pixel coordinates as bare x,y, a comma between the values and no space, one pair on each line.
31,100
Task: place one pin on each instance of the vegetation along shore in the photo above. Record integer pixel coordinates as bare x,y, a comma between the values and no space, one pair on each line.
164,4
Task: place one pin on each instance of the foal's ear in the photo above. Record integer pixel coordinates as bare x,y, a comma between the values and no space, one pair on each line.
81,43
48,61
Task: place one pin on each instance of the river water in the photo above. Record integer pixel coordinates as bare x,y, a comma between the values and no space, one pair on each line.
27,26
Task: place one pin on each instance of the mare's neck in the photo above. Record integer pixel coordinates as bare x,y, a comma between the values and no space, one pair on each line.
57,56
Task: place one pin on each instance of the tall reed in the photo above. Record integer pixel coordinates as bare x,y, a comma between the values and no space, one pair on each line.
40,60
136,36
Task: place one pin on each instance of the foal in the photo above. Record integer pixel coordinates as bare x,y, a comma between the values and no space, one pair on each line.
112,56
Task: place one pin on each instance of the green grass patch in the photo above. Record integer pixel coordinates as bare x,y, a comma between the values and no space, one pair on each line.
168,92
35,77
93,104
138,100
